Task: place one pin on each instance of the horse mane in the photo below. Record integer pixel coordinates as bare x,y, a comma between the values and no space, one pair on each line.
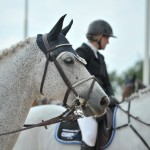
138,94
14,47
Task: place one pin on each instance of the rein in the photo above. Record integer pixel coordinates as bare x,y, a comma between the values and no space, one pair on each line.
65,116
131,126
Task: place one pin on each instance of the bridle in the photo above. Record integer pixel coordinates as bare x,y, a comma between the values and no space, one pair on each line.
50,56
68,115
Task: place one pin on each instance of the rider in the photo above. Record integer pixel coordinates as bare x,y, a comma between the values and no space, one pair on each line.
98,35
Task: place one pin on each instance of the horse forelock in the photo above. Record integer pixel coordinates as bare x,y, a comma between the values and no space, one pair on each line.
14,48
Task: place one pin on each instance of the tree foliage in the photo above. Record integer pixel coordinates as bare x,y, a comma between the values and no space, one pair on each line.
118,80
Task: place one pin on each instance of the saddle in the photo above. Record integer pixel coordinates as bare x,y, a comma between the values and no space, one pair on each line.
69,132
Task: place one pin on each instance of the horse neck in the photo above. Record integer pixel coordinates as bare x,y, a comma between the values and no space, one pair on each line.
127,91
17,78
139,106
16,88
143,94
132,88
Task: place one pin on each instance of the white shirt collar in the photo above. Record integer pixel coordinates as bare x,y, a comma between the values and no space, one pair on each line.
94,49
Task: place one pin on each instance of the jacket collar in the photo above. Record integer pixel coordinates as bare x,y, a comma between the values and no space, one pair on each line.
94,49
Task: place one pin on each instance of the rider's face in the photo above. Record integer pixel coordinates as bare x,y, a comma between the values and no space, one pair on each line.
104,41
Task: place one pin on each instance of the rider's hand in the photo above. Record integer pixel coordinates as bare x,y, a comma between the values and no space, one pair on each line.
113,101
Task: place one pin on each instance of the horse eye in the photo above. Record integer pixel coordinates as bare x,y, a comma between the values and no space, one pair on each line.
69,60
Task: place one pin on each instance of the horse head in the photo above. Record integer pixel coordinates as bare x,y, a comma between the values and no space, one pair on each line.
65,71
131,85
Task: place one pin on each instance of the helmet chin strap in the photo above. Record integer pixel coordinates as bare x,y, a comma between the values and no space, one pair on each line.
99,43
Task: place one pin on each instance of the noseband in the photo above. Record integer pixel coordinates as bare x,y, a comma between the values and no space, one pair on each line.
50,56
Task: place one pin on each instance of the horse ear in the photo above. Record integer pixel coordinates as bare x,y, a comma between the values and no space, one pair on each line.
67,28
53,34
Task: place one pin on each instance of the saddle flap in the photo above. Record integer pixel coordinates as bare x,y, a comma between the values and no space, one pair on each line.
68,132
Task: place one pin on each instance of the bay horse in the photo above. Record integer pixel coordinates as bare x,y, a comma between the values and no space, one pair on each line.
25,76
131,85
131,127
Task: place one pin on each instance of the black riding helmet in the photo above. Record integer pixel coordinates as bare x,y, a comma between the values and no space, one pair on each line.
99,27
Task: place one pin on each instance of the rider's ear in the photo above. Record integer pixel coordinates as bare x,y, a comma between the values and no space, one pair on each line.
67,28
53,34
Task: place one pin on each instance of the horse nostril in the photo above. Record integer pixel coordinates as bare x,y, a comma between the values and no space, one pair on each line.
104,101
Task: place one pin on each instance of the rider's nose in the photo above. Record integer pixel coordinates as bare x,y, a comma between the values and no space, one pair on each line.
104,101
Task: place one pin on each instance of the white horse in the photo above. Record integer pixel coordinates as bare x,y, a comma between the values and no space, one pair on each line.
123,138
21,72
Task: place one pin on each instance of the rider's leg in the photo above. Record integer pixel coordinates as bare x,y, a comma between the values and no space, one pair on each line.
84,146
89,128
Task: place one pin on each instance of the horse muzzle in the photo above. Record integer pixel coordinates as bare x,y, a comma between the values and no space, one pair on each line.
94,109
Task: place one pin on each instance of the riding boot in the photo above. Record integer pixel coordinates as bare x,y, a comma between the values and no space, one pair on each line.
84,146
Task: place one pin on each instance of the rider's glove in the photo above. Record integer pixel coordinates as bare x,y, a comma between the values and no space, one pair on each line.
113,101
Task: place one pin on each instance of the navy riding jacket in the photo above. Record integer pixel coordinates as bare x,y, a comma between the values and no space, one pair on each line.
96,67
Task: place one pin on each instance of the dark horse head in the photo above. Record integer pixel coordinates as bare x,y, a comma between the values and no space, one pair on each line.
131,85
